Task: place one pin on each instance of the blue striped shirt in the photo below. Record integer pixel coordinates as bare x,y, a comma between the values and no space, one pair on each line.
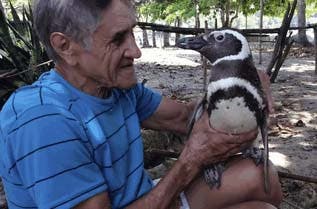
60,146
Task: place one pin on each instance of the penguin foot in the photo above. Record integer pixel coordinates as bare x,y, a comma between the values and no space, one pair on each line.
213,173
254,153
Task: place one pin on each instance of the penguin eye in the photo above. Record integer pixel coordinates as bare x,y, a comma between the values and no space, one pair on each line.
220,38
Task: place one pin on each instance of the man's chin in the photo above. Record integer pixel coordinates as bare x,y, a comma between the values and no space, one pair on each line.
127,84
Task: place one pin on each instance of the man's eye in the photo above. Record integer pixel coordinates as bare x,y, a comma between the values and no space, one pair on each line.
119,38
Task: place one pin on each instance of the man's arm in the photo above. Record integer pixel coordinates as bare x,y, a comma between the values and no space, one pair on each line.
170,115
100,201
204,146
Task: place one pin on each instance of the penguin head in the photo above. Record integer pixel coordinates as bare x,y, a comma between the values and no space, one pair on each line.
218,45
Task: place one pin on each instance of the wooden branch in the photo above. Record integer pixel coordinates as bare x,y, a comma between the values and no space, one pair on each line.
281,41
15,72
280,61
281,174
297,177
278,44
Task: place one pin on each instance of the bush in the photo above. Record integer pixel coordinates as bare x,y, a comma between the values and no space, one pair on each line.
21,54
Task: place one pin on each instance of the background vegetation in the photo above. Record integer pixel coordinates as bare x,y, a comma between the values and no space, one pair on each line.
22,56
21,53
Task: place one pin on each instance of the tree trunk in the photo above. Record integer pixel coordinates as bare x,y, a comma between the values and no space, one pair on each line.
145,39
177,24
315,41
246,21
197,21
166,39
227,18
215,18
234,17
225,13
301,13
261,27
153,38
222,16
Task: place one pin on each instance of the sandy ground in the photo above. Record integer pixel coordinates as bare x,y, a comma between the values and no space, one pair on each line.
293,132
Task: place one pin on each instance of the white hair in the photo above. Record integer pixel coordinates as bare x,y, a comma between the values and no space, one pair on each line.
77,19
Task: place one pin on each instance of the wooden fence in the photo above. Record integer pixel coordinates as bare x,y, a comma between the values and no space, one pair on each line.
247,32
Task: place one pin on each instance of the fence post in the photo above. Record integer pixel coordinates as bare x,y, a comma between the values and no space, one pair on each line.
315,42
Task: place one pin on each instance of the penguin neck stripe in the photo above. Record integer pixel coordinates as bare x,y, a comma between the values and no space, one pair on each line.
226,83
245,50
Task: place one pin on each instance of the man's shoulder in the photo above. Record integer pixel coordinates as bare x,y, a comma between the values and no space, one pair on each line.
33,101
32,96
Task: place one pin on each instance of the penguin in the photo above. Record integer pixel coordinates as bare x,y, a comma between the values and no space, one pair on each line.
234,99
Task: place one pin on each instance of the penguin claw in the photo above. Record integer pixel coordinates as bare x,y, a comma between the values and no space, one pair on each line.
213,174
256,154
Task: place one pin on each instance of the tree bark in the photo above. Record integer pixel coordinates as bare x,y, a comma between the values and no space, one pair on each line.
227,12
177,24
246,21
215,18
145,38
261,27
301,21
315,38
153,38
222,15
235,16
197,20
166,39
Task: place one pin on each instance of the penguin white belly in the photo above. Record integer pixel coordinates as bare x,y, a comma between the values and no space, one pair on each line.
232,116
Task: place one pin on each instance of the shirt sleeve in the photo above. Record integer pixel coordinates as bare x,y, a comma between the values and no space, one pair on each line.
147,101
54,159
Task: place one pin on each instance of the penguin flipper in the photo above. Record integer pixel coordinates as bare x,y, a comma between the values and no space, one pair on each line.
213,174
264,133
255,153
198,111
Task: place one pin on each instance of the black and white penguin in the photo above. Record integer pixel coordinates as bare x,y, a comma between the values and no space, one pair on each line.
234,99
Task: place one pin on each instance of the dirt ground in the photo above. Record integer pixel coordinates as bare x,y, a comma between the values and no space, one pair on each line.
293,131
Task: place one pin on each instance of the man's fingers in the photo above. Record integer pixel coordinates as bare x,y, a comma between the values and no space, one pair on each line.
242,138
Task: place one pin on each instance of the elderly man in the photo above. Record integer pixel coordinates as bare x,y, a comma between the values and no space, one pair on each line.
72,139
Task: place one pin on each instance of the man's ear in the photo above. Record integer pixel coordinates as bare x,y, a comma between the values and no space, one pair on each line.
64,47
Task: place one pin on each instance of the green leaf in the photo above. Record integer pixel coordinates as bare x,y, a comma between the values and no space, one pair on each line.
19,36
5,55
14,13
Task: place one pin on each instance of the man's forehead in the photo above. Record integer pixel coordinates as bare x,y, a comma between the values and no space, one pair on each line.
120,9
117,18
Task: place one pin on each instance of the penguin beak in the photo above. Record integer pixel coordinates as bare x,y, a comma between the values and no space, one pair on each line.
194,43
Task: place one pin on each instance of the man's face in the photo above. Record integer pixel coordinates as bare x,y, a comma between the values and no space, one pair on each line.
109,61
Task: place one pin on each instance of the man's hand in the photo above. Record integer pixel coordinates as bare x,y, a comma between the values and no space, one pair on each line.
206,145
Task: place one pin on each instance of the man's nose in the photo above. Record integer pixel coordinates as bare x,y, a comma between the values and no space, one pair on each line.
132,50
